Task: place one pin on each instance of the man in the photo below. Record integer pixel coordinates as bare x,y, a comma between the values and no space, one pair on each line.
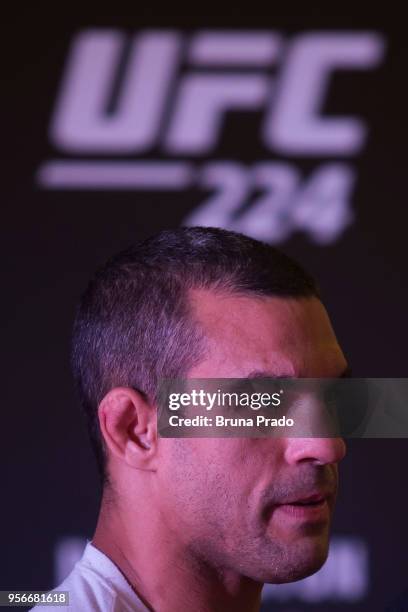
199,523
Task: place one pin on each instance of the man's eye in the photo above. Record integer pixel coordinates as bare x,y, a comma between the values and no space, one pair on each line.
349,402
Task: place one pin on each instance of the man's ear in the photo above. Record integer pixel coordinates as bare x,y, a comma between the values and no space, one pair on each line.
129,427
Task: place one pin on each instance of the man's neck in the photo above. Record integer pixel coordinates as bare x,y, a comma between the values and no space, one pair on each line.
164,573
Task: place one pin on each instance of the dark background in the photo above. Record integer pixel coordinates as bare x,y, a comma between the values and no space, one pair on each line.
52,240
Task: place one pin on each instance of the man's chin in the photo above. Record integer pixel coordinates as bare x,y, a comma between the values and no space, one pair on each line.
305,560
301,572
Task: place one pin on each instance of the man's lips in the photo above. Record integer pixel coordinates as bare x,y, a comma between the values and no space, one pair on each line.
312,507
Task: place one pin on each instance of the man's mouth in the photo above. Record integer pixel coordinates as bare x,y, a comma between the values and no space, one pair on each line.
309,508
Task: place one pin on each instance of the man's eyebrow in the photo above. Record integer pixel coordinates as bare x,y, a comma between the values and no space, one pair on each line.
346,373
267,374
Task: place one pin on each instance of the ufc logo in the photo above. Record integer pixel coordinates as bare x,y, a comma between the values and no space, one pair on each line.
159,104
170,92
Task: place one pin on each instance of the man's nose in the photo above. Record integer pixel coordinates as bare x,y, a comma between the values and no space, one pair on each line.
319,451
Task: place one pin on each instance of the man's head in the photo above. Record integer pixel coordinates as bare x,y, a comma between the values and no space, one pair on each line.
207,303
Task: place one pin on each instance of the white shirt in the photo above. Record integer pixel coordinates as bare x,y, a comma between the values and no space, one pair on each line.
97,585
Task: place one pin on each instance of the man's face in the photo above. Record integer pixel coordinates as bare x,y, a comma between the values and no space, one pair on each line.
237,503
